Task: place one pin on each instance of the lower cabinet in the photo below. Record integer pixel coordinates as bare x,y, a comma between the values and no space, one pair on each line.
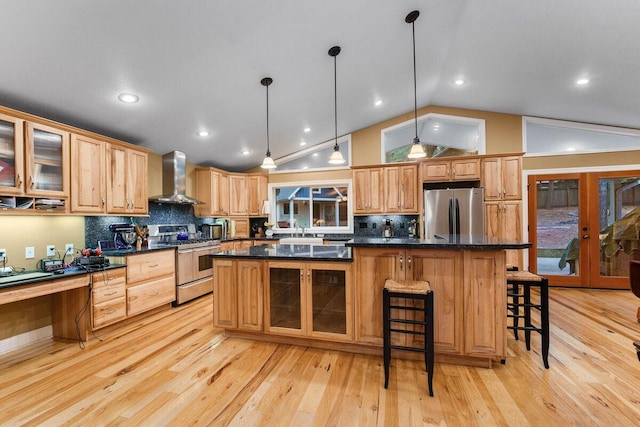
151,280
309,299
238,289
108,297
469,297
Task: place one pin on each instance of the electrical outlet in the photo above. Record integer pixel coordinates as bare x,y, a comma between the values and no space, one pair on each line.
3,254
51,250
68,248
29,252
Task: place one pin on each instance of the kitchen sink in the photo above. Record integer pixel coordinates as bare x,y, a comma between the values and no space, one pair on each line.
301,241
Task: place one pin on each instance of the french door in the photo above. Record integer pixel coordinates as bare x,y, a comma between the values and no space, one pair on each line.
584,227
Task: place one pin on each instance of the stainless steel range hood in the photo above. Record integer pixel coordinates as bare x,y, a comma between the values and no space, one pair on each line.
174,180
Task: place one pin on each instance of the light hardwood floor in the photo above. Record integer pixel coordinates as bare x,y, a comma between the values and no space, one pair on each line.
174,368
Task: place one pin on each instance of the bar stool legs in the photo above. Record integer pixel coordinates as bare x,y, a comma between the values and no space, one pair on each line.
408,290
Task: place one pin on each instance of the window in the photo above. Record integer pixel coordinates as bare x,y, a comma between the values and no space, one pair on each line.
547,137
440,134
315,158
318,207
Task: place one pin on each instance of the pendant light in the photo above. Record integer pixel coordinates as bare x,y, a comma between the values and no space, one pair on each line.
336,157
417,150
267,163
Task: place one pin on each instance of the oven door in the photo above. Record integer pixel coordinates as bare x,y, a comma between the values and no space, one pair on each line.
202,263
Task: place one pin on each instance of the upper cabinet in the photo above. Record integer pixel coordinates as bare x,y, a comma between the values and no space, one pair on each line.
238,196
390,189
225,194
46,161
127,189
465,169
502,178
257,191
11,155
211,190
88,189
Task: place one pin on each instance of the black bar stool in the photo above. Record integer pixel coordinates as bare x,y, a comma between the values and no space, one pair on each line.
519,285
409,290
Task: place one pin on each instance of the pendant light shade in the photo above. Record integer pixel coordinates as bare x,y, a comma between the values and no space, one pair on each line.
268,162
417,150
336,157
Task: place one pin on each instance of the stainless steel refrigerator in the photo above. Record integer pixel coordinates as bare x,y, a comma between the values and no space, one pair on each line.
453,212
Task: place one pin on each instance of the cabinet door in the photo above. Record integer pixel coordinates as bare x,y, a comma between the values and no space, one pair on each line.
409,189
46,160
116,179
88,188
512,220
223,202
492,178
237,195
206,192
443,270
330,314
11,155
137,187
493,219
285,299
485,303
512,178
361,188
369,190
225,294
436,170
257,193
465,169
151,294
250,295
392,190
372,268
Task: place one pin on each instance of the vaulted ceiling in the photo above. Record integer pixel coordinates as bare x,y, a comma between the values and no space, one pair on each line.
197,65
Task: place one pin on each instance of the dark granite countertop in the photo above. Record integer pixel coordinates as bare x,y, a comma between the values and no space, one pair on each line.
290,252
125,252
455,242
30,277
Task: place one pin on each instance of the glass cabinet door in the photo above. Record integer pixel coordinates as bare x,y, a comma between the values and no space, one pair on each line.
285,305
329,304
47,166
11,144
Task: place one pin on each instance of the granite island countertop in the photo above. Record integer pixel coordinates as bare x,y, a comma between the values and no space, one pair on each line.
288,252
448,242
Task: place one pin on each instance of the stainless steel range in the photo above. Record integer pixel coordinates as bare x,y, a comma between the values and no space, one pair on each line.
194,267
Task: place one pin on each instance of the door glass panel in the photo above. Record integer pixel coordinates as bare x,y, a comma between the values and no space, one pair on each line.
284,292
557,228
7,154
329,304
47,161
619,223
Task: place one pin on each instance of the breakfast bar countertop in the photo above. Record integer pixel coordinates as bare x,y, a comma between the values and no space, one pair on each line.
447,242
288,252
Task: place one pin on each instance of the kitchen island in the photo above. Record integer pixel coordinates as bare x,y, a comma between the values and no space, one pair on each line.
331,296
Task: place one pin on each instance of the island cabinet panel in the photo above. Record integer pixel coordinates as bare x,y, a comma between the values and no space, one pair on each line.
225,294
250,285
485,303
311,299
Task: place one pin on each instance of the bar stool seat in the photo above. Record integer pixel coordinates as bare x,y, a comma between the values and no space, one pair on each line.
408,290
519,305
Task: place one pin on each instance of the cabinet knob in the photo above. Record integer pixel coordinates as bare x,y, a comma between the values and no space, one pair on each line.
19,181
409,262
31,182
401,262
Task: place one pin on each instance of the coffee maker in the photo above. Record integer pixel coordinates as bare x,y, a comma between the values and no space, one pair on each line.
387,228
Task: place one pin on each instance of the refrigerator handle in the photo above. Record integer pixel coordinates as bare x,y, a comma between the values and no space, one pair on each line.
457,217
451,218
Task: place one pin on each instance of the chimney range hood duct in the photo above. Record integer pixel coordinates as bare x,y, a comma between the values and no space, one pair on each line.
174,180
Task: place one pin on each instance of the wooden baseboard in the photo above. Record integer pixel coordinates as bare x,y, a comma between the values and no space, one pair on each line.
21,340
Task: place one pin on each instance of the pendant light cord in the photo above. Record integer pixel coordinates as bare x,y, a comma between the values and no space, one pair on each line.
415,87
268,150
335,98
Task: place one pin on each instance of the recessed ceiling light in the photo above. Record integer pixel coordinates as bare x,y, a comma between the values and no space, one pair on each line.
245,152
582,82
459,82
129,98
378,103
307,130
302,143
305,167
204,133
315,154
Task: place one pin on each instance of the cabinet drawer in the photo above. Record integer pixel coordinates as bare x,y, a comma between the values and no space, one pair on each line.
149,295
108,278
150,265
109,312
105,293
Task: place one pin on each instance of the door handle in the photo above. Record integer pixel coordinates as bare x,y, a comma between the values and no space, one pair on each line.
401,262
585,236
409,262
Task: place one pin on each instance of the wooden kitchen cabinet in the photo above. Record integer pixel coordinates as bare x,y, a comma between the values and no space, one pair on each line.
502,178
108,297
11,155
368,187
212,189
88,175
466,169
257,193
401,189
46,161
127,171
238,289
151,280
312,299
241,227
504,219
238,195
